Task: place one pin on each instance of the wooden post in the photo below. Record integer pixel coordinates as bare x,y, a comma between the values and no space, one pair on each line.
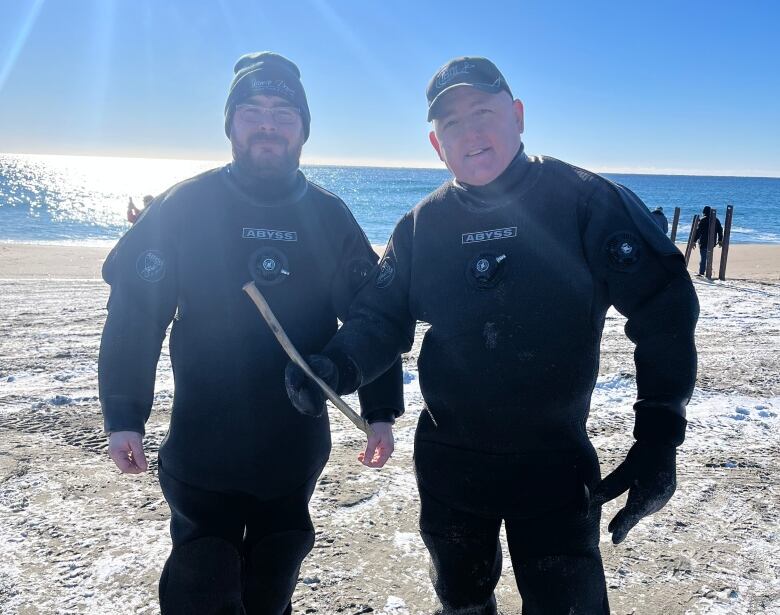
711,241
689,247
675,221
724,252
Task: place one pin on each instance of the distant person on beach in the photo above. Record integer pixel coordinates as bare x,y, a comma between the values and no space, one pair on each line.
703,236
133,213
514,264
660,219
238,464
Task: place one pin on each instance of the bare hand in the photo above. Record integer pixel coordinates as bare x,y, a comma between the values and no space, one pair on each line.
379,446
126,449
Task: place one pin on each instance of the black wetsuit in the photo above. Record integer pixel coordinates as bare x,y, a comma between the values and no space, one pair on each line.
233,430
515,279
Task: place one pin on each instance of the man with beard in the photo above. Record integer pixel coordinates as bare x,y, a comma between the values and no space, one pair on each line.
238,465
514,265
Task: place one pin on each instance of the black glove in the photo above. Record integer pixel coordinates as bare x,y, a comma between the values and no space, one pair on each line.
337,371
304,393
649,473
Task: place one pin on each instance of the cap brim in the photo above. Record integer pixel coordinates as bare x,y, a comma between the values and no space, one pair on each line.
490,88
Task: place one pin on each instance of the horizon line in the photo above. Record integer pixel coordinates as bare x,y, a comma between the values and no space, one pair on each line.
416,164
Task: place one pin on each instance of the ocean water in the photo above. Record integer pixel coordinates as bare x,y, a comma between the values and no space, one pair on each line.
75,199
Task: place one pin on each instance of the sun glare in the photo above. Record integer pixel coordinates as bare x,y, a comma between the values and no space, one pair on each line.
18,43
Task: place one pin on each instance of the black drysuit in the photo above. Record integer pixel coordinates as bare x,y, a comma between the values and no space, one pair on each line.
233,432
515,279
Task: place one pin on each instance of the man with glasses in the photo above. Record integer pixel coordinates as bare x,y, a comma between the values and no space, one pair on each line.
514,265
238,465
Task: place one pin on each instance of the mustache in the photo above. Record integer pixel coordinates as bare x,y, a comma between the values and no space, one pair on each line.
267,138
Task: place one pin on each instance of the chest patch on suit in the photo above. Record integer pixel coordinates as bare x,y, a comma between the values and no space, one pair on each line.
150,266
623,250
386,272
268,266
497,233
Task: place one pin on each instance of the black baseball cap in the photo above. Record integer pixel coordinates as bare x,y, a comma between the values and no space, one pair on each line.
471,71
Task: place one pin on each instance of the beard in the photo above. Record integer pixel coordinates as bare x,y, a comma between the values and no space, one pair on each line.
265,164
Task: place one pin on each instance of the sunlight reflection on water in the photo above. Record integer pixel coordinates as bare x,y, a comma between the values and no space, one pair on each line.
56,199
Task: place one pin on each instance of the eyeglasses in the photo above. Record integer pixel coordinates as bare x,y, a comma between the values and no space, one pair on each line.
254,114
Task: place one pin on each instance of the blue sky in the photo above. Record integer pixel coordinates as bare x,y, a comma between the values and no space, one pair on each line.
687,87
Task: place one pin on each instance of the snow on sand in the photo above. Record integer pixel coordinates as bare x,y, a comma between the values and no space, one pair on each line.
75,537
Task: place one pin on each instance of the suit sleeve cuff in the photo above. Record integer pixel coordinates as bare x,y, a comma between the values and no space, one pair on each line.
350,377
123,414
658,426
381,415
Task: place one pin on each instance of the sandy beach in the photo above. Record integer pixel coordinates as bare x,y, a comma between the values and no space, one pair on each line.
759,262
78,537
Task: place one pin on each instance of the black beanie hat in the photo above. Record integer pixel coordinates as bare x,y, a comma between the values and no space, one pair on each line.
268,73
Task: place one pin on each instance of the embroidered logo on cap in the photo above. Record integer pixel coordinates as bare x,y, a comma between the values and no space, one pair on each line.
272,85
448,75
